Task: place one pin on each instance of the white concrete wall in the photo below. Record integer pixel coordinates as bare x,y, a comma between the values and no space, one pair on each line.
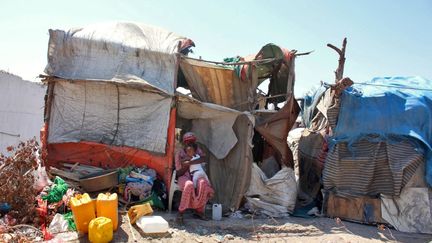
21,109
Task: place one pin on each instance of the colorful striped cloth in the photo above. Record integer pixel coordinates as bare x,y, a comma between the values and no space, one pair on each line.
371,168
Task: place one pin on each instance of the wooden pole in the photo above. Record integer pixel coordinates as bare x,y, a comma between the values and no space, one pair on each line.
339,71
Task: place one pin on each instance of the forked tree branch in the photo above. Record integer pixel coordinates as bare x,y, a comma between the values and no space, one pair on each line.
340,69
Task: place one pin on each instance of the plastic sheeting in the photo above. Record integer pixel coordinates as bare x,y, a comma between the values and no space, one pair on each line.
109,114
310,104
119,52
276,196
410,212
388,106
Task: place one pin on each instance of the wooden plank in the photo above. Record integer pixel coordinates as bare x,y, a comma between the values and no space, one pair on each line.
65,174
358,209
74,166
78,167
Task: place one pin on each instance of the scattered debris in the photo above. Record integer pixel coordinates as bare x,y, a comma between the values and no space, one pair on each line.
16,178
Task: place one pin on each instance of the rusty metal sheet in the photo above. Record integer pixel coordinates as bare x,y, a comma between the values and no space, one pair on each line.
275,130
218,84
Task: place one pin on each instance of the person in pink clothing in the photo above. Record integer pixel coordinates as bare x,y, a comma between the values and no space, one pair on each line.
192,198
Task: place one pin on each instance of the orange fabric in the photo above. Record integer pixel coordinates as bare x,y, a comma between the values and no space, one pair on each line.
106,156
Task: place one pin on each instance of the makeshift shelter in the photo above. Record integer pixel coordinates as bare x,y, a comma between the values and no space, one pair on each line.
233,84
111,102
110,96
373,153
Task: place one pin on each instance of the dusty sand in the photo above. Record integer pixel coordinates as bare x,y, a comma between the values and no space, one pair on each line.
290,229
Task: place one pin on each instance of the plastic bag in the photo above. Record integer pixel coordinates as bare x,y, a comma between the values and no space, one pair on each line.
57,191
71,223
41,178
275,196
58,225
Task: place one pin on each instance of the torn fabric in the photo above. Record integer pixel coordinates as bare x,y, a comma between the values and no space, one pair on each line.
275,130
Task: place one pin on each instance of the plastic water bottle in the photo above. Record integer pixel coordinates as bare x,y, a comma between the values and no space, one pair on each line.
217,211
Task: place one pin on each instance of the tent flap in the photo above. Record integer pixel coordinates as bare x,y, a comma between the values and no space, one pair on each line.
212,124
231,175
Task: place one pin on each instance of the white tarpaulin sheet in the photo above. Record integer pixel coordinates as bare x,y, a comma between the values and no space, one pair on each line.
212,124
110,114
410,212
274,196
119,52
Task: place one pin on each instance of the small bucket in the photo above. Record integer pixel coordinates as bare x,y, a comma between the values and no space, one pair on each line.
217,211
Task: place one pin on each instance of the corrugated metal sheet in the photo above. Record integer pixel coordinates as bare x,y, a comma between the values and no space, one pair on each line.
217,84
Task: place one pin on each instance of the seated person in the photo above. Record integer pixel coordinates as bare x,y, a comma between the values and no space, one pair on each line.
192,197
195,170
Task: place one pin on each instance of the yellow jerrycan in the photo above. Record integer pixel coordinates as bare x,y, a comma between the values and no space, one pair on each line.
83,211
100,230
107,206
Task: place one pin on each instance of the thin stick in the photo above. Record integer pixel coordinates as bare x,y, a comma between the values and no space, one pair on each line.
304,53
268,60
260,98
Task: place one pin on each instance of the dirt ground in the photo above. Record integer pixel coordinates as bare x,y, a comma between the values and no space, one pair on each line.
289,229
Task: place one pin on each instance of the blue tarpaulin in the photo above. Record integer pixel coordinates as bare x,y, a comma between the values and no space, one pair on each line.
389,106
310,102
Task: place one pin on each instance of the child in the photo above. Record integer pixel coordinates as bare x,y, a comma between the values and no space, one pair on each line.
196,170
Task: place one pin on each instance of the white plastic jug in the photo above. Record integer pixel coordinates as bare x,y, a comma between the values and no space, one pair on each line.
152,224
217,211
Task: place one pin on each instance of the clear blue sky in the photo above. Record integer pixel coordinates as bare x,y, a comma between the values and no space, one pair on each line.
385,38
